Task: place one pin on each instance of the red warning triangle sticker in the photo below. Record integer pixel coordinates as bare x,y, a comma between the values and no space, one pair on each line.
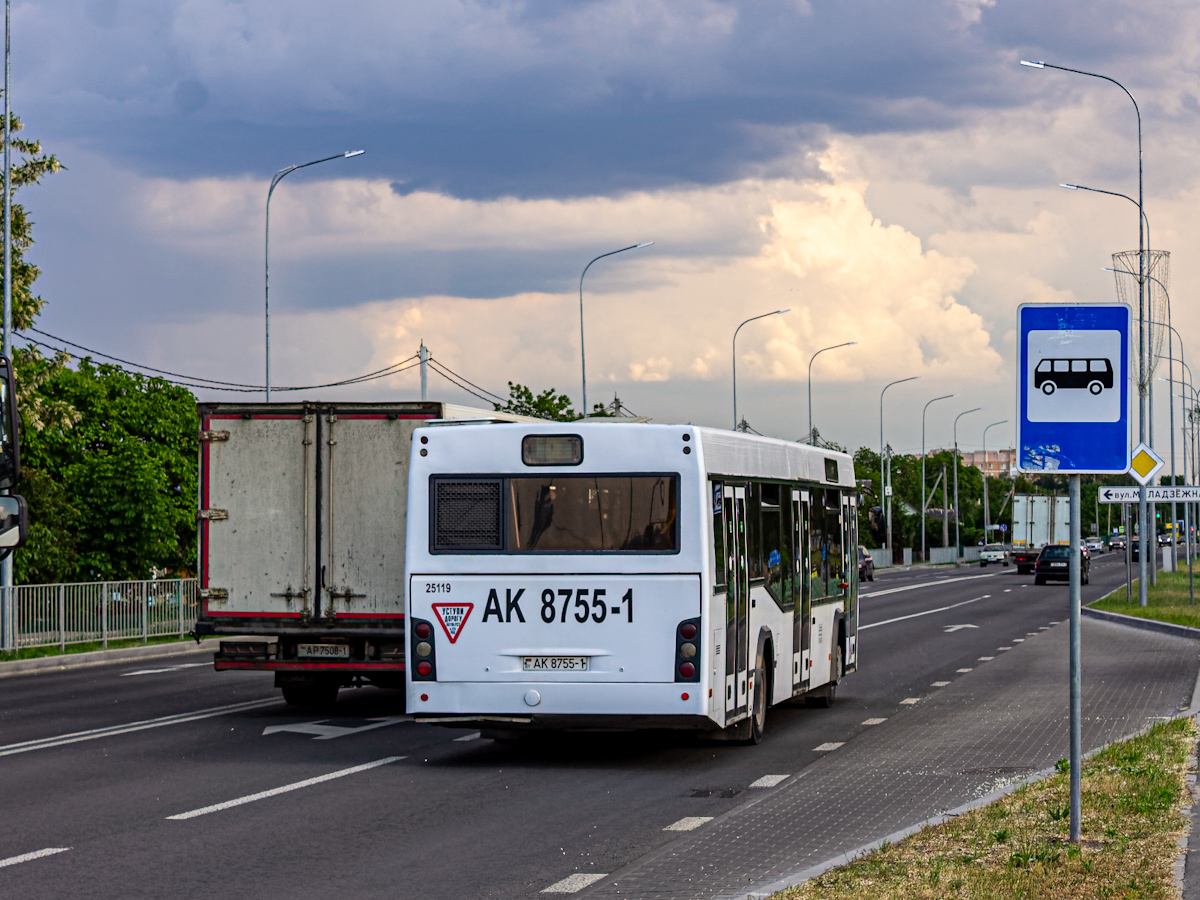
453,617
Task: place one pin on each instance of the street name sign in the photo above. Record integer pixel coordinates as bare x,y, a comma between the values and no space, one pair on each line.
1179,494
1073,388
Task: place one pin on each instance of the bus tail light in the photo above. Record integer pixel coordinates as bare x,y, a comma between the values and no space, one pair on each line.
423,651
687,651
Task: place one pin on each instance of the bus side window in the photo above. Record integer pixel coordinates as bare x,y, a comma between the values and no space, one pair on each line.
818,545
834,539
754,544
718,558
773,541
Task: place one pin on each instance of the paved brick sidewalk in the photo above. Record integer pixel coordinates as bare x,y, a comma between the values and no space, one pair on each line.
1003,721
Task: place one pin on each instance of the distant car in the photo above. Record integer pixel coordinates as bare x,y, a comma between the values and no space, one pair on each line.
866,565
1094,545
1054,563
1117,542
1164,539
993,553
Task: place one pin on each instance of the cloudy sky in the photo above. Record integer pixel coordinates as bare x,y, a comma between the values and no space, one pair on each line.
884,168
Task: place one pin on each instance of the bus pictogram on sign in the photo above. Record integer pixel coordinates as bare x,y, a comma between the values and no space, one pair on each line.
452,616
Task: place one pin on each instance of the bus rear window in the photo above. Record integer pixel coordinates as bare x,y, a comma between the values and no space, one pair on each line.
580,513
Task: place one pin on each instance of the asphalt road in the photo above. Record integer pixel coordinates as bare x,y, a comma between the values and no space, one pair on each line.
99,762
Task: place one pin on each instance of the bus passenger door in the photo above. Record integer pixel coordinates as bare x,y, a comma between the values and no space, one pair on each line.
802,610
850,605
737,603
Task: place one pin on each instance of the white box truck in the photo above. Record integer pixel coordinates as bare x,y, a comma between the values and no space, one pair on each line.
301,538
1037,521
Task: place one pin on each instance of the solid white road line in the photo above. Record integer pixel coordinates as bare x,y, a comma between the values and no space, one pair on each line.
830,745
874,721
927,612
167,669
36,854
688,823
294,786
178,719
573,883
769,781
927,584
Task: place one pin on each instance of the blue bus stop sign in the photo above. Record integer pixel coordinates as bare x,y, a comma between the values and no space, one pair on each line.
1073,388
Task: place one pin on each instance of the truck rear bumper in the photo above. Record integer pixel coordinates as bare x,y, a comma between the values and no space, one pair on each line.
292,665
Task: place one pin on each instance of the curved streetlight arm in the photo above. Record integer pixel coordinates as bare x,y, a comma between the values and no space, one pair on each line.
582,354
923,499
987,514
810,364
275,179
778,312
882,477
957,538
1141,212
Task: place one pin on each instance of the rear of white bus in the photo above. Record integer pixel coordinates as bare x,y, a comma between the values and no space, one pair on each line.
556,576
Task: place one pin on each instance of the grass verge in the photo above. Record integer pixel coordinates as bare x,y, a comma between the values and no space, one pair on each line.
38,652
1017,846
1166,601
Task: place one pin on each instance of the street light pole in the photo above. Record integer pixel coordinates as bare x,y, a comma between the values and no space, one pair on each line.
278,177
884,500
1142,373
8,639
810,362
957,536
987,510
582,354
934,400
778,312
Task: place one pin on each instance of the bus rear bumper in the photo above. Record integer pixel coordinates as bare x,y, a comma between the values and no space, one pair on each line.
562,705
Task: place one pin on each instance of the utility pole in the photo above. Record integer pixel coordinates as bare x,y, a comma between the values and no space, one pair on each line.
424,353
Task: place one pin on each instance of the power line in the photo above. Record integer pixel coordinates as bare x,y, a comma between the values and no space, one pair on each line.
196,381
473,384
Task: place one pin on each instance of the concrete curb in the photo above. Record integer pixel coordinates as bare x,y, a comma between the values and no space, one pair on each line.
1144,624
92,658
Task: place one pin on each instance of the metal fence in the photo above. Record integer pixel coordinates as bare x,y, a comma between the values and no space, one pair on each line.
103,611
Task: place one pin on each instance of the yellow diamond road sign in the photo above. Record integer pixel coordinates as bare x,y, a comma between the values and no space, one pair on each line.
1145,464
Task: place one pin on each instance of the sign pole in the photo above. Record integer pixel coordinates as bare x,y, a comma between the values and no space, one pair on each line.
1076,668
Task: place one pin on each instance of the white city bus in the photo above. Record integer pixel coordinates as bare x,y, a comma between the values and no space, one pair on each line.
625,575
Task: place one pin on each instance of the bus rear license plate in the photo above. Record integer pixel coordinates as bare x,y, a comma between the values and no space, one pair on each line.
323,651
556,663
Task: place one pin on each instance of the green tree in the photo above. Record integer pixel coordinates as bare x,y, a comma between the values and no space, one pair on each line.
114,494
549,404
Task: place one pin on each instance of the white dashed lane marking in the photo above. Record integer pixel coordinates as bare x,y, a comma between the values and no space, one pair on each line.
826,747
963,671
294,786
573,883
939,684
910,701
688,823
36,854
167,669
1018,640
1004,648
769,781
874,721
986,658
473,736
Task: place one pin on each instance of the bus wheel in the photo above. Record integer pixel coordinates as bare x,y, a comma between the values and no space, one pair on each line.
823,697
1095,387
758,715
1048,387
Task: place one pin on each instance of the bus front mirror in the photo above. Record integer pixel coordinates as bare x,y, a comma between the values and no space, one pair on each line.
14,523
10,444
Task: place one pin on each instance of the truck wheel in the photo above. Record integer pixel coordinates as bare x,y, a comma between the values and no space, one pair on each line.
823,697
312,696
982,564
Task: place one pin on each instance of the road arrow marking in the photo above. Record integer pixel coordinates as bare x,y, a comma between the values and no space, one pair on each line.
953,628
322,732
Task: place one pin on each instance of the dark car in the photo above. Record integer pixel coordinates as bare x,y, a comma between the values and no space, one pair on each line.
1054,563
866,565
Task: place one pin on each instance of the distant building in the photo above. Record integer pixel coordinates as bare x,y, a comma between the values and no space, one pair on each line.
999,463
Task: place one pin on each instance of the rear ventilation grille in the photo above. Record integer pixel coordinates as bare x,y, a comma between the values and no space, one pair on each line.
468,516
